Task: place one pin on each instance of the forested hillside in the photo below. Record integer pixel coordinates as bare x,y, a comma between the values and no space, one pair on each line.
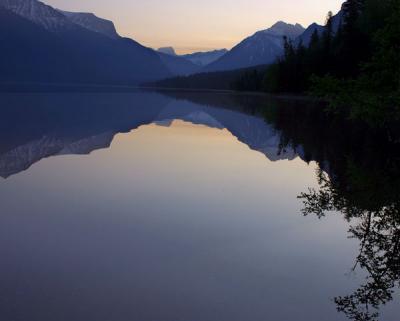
357,68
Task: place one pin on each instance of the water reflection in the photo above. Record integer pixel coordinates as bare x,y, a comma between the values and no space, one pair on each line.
39,126
181,217
378,230
359,177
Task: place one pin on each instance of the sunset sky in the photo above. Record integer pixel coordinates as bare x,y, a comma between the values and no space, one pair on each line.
193,25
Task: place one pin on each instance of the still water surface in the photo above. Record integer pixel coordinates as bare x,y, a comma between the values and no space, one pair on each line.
149,207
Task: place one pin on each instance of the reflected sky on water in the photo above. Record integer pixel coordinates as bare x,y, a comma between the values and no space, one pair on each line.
145,207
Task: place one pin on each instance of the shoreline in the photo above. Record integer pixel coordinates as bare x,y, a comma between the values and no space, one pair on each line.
9,88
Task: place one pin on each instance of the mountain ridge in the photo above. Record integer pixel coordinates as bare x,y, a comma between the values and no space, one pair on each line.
204,58
91,22
39,13
263,47
41,45
305,37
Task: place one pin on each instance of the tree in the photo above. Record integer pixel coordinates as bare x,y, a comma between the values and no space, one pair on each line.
377,227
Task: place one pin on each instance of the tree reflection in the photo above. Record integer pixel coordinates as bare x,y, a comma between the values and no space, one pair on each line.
378,230
359,177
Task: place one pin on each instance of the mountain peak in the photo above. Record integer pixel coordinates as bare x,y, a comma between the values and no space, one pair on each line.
90,21
39,13
206,57
262,48
167,50
57,20
279,23
282,28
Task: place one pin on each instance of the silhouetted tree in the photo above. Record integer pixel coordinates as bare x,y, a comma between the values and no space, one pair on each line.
378,230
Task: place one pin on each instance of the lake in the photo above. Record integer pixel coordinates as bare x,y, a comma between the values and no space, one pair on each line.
180,206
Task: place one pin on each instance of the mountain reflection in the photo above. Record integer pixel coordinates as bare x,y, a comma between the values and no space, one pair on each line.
35,126
39,126
359,177
360,184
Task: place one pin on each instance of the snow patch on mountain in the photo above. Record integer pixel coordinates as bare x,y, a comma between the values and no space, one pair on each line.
93,23
22,157
262,48
39,13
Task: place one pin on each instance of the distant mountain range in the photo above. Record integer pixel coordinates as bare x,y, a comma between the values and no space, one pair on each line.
256,51
84,123
177,65
203,59
265,46
41,44
189,63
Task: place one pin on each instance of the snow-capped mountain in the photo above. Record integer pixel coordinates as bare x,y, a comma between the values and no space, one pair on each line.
38,13
205,58
250,130
262,48
98,127
281,29
22,157
55,20
41,44
93,23
87,145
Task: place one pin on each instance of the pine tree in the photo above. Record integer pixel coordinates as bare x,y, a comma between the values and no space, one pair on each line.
314,42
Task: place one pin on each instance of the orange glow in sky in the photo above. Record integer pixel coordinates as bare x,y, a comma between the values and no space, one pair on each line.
192,25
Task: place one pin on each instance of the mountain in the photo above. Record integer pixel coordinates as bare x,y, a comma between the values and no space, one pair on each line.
184,65
93,23
35,126
39,13
261,48
167,50
177,65
40,44
205,58
84,123
251,130
305,37
216,80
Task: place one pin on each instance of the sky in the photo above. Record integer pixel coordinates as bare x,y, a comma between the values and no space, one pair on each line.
199,25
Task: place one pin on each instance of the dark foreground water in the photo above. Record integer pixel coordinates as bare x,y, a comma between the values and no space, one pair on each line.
185,207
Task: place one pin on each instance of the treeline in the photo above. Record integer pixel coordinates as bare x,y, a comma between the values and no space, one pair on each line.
356,67
221,80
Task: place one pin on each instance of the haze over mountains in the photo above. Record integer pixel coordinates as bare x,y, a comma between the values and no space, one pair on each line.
189,63
41,44
205,58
